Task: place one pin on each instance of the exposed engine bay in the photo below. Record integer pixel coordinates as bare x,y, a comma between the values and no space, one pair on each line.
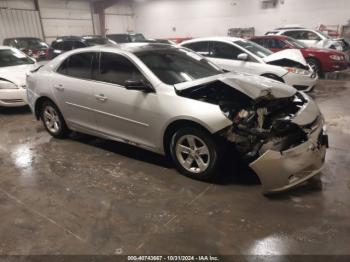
258,125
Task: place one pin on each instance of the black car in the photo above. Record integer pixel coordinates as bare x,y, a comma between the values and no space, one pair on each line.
128,38
67,43
31,46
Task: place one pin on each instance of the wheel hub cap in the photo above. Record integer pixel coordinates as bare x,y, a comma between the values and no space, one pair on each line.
193,154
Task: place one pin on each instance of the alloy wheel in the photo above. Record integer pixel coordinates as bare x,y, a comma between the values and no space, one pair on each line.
192,153
51,119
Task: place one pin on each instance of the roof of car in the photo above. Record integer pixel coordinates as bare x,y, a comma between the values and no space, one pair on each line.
72,37
26,37
4,47
139,47
282,37
215,38
290,27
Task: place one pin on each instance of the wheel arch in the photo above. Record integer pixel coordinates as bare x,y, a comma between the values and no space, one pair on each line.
176,125
38,104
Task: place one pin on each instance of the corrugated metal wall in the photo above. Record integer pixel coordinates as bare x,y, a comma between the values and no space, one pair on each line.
19,23
120,17
62,18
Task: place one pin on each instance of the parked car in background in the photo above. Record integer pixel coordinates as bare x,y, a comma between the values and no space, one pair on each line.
321,60
67,43
174,102
179,40
240,55
14,65
32,46
128,38
163,41
312,38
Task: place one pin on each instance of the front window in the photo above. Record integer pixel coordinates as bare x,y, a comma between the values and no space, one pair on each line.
296,43
13,57
254,48
174,66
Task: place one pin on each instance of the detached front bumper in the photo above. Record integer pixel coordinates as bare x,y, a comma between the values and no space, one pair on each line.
280,171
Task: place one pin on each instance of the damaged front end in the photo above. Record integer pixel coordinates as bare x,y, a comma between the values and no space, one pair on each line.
282,139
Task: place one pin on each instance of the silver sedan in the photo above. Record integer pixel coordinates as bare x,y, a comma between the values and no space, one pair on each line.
174,102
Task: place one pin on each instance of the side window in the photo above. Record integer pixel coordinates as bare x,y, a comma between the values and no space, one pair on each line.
78,44
259,41
78,65
117,69
67,45
224,51
201,48
270,43
293,34
309,35
280,44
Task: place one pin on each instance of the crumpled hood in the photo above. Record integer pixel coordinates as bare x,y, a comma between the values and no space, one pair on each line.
251,85
290,54
16,74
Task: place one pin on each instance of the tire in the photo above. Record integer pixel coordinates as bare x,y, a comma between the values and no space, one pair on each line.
274,77
199,149
316,66
53,120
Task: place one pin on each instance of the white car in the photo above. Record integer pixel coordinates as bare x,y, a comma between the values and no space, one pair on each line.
13,68
312,38
240,55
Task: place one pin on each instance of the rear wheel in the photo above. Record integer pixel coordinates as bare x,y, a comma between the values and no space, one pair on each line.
195,153
315,65
53,120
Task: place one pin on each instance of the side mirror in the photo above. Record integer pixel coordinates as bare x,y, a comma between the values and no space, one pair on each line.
243,57
139,85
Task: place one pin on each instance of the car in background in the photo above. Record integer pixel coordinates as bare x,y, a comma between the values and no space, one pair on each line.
321,60
179,40
14,65
312,38
67,43
128,38
241,55
174,102
163,41
32,46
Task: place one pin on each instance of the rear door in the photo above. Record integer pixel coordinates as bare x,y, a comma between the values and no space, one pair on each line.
73,89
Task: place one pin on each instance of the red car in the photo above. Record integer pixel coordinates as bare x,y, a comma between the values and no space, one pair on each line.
321,60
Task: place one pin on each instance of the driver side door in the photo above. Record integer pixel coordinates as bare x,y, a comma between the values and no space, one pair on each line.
226,56
127,115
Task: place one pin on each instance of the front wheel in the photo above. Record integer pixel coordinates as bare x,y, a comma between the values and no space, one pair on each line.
53,120
195,153
316,66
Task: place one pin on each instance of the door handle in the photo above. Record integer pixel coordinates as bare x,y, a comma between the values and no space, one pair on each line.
101,98
59,87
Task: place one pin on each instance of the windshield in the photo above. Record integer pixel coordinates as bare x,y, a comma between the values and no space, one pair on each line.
295,43
254,48
30,43
13,57
174,65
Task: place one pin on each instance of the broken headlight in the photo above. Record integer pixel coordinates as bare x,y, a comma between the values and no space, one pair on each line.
298,71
